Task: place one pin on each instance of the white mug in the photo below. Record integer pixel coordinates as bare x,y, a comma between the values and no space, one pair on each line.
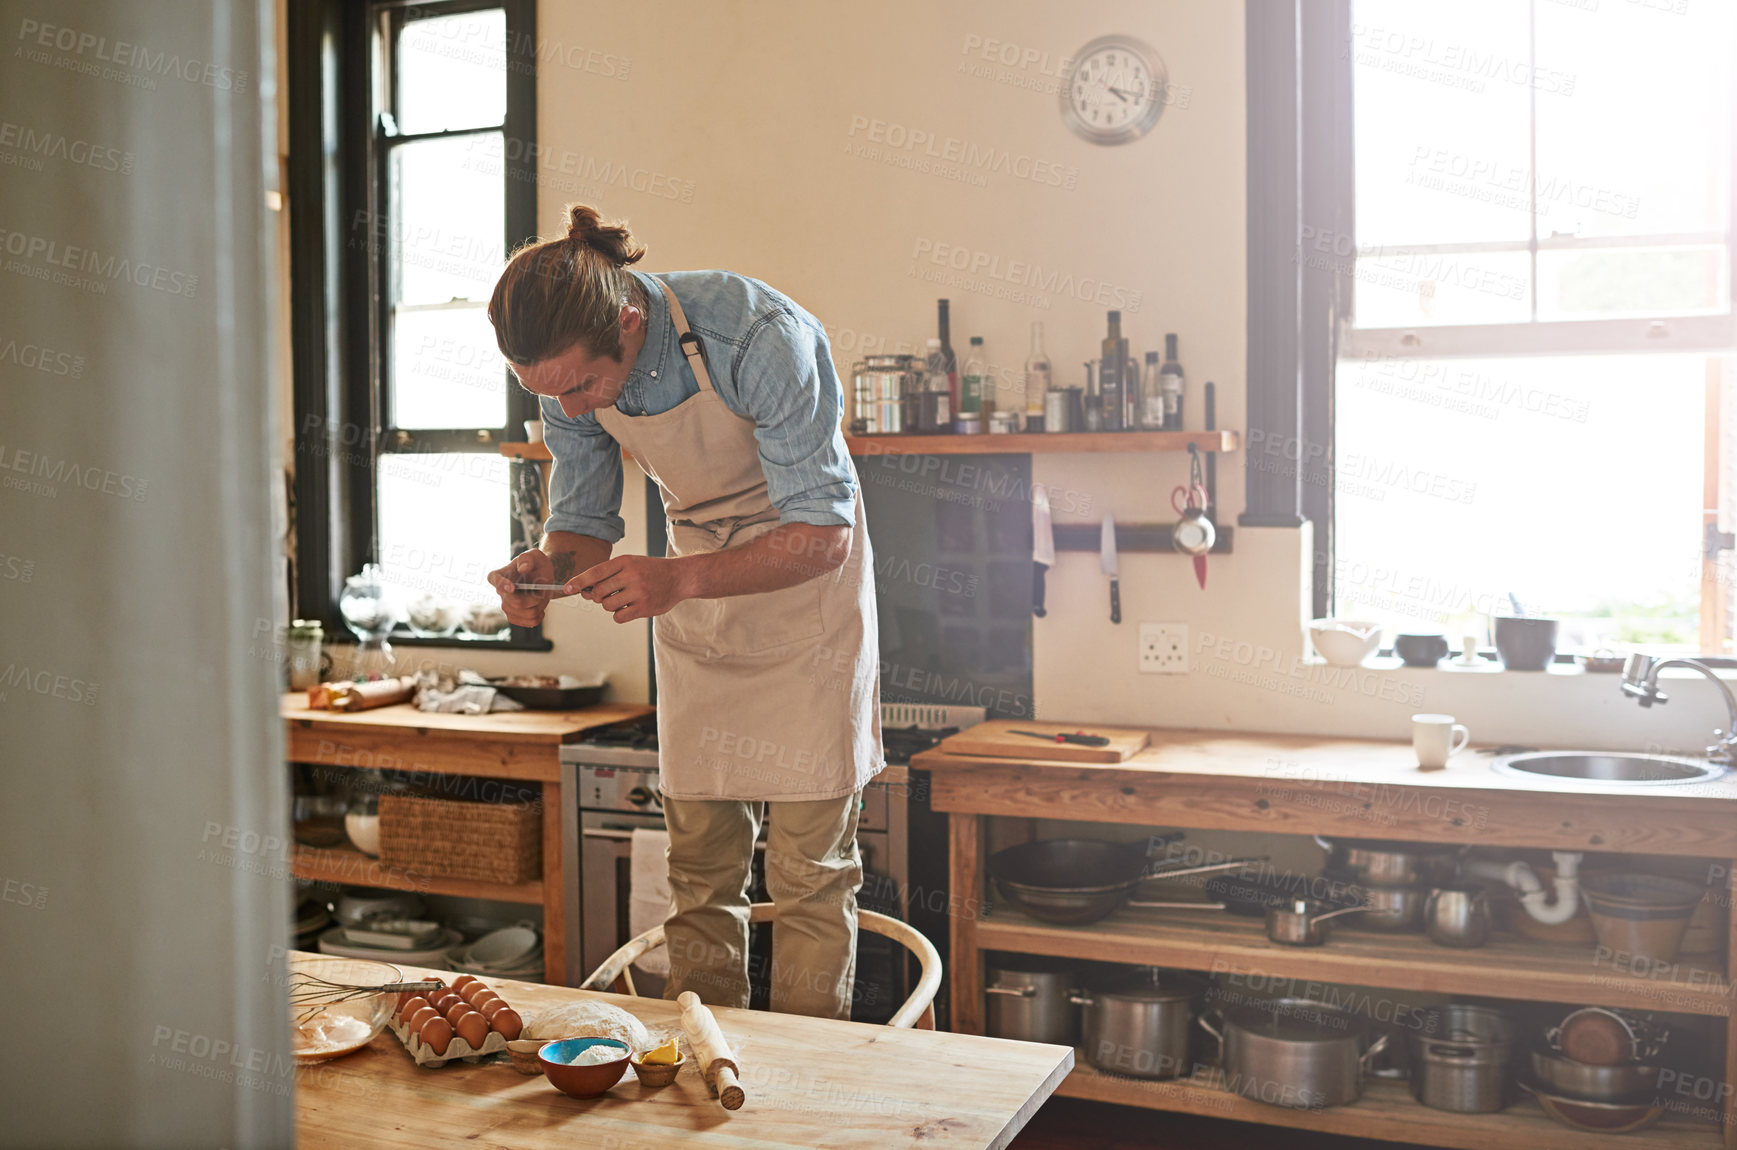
1436,738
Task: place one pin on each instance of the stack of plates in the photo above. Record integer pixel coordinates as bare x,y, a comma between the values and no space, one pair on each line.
434,953
513,952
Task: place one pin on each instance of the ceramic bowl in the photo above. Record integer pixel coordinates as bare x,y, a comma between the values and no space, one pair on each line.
582,1081
1345,642
502,948
659,1074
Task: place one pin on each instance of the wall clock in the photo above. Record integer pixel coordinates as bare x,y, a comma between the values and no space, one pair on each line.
1115,90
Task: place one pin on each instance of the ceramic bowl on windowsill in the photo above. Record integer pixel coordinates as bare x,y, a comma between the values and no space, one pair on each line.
1345,642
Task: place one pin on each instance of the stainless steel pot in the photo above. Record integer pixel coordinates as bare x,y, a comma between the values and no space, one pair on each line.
1457,916
1624,1083
1459,1059
1295,1052
879,384
1392,909
1303,923
1032,1002
1381,863
1140,1026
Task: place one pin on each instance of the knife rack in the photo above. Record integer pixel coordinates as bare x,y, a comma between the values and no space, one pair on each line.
1142,537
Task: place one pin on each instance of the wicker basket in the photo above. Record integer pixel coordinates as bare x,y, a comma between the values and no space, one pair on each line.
489,842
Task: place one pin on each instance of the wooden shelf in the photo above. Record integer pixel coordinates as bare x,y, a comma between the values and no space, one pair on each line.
1038,443
1386,1110
1217,941
350,867
1022,444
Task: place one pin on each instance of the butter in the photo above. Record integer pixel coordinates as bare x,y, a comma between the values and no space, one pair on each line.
665,1055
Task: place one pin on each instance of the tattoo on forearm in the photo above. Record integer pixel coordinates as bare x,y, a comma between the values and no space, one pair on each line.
565,562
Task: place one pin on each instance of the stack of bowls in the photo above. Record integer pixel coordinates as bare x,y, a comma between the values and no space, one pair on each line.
1643,915
1598,1070
512,952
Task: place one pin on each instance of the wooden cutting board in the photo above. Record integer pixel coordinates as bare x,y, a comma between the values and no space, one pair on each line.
992,739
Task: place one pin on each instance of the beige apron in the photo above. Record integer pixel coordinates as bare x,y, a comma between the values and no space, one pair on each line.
774,696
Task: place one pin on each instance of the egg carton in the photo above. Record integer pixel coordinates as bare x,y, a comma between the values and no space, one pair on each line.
457,1049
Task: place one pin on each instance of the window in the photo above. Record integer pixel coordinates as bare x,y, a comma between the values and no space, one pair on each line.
422,115
1532,402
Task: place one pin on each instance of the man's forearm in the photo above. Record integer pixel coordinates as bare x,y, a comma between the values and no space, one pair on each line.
790,554
571,553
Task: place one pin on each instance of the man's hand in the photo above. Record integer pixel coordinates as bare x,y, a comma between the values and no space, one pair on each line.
524,608
632,586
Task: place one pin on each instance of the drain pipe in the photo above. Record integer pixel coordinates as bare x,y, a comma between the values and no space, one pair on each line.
1531,890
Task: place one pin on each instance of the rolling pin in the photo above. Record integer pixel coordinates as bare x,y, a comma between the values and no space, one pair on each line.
716,1062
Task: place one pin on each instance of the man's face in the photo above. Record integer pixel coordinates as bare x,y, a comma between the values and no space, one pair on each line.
580,381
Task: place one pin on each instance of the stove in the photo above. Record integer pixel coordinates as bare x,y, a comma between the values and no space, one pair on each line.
617,787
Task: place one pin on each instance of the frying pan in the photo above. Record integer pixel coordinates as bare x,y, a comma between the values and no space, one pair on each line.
1076,881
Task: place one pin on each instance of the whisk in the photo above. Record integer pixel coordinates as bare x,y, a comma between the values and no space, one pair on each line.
313,994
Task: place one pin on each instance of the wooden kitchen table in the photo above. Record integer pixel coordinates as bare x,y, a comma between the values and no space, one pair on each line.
810,1082
515,746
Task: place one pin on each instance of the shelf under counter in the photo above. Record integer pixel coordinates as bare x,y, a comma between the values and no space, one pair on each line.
348,866
1224,943
1386,1111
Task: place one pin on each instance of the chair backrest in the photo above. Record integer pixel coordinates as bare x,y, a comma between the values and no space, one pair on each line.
918,1010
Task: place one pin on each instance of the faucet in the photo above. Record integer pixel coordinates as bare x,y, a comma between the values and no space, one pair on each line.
1640,680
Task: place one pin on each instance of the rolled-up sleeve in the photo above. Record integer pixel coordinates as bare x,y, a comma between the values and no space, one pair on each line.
786,383
585,484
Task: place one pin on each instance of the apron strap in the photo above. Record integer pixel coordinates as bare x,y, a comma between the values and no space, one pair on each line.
689,341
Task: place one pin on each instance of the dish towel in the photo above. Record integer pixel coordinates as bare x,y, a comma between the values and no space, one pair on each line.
649,897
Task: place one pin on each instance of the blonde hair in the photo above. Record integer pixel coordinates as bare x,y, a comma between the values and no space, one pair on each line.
554,294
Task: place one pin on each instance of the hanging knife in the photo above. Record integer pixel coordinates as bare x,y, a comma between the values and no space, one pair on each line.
1107,557
1042,546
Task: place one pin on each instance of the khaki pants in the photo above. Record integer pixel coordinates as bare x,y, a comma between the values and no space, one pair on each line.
813,872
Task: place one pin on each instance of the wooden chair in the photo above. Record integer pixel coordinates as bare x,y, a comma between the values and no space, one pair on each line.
918,1010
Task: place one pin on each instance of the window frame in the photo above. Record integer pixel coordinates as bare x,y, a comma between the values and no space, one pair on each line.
340,149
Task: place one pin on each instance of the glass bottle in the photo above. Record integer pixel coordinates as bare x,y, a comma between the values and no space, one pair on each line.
971,380
1151,396
1170,382
1037,375
1112,367
368,610
949,361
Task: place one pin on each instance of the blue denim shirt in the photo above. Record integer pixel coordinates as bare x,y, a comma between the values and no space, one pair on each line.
769,361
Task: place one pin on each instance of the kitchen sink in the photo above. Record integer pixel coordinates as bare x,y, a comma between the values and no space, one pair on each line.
1603,767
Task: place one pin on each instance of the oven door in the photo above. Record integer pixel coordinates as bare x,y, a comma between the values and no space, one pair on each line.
605,869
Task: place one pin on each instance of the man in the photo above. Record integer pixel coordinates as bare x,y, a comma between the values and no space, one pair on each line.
764,626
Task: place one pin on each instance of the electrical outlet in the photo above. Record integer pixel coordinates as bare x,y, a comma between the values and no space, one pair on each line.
1164,648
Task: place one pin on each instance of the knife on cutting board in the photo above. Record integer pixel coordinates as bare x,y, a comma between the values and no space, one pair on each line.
1112,568
1042,546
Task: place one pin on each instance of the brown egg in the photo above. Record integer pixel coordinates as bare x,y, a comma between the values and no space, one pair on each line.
422,1015
508,1023
444,999
483,997
463,981
473,1028
411,1005
457,1011
493,1008
436,1034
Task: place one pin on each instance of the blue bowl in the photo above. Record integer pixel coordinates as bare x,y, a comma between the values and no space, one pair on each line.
582,1081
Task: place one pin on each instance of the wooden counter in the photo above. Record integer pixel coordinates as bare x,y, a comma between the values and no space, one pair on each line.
1345,788
810,1082
519,746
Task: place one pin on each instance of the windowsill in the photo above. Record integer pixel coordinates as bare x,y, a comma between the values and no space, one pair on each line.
1452,666
516,639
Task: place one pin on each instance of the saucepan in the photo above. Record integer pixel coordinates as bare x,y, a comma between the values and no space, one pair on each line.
1302,923
1076,881
1378,862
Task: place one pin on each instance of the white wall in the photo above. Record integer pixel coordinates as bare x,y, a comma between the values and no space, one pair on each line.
743,127
143,902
